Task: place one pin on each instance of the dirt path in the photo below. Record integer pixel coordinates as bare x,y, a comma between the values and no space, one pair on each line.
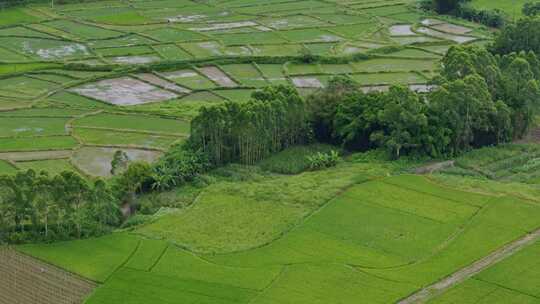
433,167
532,137
463,274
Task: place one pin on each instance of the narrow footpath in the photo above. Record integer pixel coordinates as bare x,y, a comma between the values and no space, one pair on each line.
463,274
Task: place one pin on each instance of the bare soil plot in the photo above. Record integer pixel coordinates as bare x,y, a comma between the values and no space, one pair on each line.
27,280
224,26
406,40
134,59
452,28
124,91
379,88
430,22
401,30
422,88
218,76
307,82
96,161
155,80
35,155
446,36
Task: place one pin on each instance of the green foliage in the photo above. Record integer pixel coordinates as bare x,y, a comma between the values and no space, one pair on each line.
531,9
492,18
507,163
480,99
134,179
46,208
119,162
524,35
250,210
323,106
405,122
274,119
512,80
446,6
323,160
293,160
177,167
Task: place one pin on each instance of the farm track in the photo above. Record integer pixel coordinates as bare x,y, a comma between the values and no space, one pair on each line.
463,274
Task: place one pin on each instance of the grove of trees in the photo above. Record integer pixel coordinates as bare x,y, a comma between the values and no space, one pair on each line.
42,207
273,120
481,99
523,35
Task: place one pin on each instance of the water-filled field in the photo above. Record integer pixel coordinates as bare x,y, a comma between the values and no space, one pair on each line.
131,75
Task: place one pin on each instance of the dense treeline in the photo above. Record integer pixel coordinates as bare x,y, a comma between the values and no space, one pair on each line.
41,207
523,35
273,120
463,9
481,99
38,207
531,9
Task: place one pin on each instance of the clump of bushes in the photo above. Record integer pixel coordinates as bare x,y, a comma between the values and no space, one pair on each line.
462,9
323,160
293,160
531,9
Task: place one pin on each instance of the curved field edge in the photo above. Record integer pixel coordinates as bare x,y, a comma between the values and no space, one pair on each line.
378,241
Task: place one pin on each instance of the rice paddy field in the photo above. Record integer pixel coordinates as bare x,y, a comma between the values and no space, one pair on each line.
238,244
80,81
132,74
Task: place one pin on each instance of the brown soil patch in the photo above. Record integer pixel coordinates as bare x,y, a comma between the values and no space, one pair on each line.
532,137
307,82
428,169
218,77
35,155
452,28
25,280
153,79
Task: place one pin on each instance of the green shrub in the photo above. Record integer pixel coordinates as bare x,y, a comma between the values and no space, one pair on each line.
323,160
137,220
293,160
179,166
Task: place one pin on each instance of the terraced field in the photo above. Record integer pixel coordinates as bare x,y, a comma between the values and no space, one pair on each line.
80,81
130,75
371,240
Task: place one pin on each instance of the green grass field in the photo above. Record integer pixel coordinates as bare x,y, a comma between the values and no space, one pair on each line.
514,280
393,236
364,231
511,7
